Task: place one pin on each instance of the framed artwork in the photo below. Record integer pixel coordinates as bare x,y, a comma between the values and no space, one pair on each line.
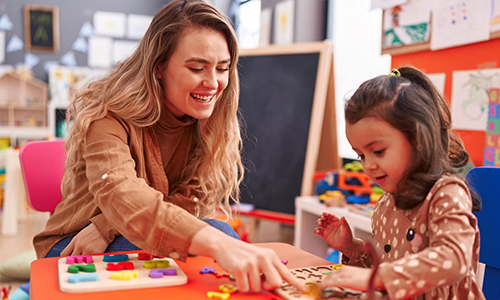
41,28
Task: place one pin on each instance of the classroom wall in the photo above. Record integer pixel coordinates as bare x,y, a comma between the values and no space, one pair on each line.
468,57
356,32
72,15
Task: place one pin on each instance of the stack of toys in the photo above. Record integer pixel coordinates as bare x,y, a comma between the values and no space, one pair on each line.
347,186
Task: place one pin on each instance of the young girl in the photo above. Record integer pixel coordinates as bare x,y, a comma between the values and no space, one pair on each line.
423,226
155,147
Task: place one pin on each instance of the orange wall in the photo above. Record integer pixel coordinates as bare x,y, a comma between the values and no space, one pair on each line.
468,57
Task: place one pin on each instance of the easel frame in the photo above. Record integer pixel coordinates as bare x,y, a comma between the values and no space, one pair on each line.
322,150
27,28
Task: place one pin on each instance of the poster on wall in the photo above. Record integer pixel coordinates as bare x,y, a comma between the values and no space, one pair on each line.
459,22
492,145
109,24
407,24
283,22
495,16
470,97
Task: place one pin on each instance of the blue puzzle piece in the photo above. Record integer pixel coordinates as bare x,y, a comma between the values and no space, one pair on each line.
115,258
77,278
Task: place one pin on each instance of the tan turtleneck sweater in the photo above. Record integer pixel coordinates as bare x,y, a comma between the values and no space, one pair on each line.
123,188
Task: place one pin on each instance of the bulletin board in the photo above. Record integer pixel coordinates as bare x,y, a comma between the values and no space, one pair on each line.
482,55
41,28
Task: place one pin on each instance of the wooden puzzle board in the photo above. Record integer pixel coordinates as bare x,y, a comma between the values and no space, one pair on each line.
314,275
105,282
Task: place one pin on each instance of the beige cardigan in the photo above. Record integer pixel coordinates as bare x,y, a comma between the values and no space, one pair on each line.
123,188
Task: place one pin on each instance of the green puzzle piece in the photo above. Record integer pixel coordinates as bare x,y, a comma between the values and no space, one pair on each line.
88,268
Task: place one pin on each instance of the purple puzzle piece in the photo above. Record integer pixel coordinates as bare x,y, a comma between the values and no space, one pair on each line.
159,273
207,270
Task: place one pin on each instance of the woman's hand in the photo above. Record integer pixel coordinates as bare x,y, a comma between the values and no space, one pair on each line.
87,241
336,232
254,268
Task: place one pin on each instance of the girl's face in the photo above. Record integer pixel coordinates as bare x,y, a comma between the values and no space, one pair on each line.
384,151
197,73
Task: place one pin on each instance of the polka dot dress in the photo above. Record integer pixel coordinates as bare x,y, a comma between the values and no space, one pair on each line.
431,250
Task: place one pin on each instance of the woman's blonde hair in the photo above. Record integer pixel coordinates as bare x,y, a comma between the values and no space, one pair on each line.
132,92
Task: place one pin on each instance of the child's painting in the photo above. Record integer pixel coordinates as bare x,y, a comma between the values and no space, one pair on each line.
407,24
495,16
459,22
470,97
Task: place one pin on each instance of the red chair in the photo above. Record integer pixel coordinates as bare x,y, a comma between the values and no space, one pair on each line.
42,167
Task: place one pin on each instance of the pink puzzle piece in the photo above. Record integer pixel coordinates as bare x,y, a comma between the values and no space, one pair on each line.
79,259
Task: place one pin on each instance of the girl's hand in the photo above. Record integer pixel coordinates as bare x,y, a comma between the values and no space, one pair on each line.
87,241
355,278
254,268
336,232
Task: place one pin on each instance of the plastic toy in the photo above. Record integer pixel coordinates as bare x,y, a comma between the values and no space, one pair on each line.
333,198
349,183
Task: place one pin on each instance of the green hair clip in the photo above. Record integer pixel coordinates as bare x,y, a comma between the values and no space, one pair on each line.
395,72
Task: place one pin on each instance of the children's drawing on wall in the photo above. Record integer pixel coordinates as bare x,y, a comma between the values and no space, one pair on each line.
407,24
283,22
459,22
470,97
492,145
495,16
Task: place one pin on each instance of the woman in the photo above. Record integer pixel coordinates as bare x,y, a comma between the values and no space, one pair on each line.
155,145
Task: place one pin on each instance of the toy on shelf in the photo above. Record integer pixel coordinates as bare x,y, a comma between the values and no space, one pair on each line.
351,182
333,198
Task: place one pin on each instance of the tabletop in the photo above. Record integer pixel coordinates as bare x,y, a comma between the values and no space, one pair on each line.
45,280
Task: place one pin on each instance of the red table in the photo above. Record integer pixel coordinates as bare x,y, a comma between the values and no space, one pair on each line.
45,281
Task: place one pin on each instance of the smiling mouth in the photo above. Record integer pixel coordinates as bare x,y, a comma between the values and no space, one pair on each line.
203,99
379,178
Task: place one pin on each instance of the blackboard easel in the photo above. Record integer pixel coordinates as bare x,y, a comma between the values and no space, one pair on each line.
288,107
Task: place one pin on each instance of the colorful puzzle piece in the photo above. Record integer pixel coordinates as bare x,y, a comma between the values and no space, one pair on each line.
79,259
90,268
159,273
156,264
123,265
223,296
124,275
228,288
77,278
145,256
115,258
207,270
221,274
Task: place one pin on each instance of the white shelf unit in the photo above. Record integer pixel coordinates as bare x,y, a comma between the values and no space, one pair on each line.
307,211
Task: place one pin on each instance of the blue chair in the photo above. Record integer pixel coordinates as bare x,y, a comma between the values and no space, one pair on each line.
485,181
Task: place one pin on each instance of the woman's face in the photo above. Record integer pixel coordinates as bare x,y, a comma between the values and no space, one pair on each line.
197,73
